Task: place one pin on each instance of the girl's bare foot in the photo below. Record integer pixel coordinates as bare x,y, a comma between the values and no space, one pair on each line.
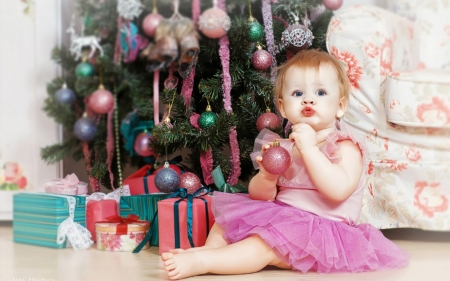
182,265
179,250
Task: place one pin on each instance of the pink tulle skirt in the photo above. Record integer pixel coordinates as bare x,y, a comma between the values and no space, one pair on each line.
303,240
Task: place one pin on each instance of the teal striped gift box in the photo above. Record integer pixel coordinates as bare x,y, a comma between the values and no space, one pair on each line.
145,206
36,218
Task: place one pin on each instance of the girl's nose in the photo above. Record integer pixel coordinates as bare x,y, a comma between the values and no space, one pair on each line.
308,100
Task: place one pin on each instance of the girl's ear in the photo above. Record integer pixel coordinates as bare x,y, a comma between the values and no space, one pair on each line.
281,108
342,107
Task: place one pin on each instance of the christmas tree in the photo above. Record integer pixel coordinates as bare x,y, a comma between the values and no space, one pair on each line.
211,66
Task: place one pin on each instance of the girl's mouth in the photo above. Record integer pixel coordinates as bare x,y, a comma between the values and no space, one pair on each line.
308,111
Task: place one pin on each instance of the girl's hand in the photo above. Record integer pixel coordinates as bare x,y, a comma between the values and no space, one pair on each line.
258,159
304,136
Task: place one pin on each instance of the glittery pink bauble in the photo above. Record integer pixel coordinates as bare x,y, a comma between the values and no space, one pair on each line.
214,23
276,160
267,120
261,59
190,181
332,4
142,144
101,101
150,23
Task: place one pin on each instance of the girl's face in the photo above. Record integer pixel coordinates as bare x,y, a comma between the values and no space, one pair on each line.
311,96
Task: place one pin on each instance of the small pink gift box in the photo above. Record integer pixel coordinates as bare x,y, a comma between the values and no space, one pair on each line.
121,234
70,185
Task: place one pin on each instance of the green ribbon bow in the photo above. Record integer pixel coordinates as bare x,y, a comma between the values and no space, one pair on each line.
223,186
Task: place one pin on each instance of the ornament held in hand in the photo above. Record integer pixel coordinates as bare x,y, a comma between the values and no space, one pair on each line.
142,144
101,101
267,120
85,129
190,181
276,159
167,180
65,96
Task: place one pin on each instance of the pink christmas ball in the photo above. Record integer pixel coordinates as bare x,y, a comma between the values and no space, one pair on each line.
150,23
190,181
267,120
276,160
101,101
214,23
332,4
142,144
261,59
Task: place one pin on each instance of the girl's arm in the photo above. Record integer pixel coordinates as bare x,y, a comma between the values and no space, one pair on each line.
335,181
263,186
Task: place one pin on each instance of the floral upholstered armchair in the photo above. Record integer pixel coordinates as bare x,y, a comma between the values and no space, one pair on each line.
398,61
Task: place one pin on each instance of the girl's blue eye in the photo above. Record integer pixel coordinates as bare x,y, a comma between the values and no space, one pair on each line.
298,94
321,93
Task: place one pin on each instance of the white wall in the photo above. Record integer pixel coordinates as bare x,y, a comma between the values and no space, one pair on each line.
379,3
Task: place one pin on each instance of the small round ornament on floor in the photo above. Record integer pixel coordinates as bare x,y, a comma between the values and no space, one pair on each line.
167,180
85,129
190,181
276,159
142,144
207,118
267,120
101,101
65,96
214,22
332,4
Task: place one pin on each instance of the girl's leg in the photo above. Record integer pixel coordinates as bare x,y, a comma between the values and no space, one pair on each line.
246,256
215,240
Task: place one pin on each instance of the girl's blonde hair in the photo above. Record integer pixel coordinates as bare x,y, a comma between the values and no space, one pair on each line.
313,59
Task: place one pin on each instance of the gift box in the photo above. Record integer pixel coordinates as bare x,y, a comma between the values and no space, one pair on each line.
37,216
175,221
70,185
119,234
143,180
146,207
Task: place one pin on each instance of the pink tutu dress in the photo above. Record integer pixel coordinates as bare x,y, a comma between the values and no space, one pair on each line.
307,231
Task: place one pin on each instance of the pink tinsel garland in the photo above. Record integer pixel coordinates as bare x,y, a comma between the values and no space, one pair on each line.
93,182
188,85
156,97
110,145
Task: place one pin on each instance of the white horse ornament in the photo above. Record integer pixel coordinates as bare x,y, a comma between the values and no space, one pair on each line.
77,43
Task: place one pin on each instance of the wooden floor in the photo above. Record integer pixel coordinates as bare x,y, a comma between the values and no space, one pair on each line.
430,261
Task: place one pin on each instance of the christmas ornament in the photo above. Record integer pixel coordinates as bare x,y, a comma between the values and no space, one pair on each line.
256,30
65,95
101,101
190,181
77,43
187,38
261,59
151,22
332,4
267,120
84,69
142,144
85,129
129,9
207,118
167,180
214,22
297,37
276,159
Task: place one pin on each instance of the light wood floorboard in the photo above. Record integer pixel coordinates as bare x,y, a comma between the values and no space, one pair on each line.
430,260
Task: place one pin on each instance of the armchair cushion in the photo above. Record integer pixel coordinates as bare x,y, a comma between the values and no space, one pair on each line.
419,98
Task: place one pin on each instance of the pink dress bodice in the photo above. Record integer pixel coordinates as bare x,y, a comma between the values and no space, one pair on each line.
296,189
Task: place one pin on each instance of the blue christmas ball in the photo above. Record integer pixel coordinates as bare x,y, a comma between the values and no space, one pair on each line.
65,96
85,129
167,180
